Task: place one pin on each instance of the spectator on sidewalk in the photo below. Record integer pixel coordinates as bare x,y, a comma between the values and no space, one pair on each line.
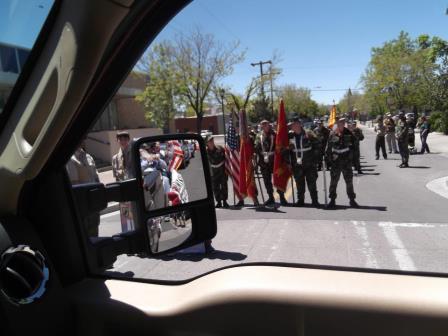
425,129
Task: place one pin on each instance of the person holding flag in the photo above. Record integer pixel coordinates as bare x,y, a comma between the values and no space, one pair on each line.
303,154
247,185
216,159
265,150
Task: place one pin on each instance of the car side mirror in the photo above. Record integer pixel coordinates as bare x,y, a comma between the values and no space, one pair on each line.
175,200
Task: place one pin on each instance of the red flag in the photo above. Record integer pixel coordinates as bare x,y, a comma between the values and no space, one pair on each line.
282,172
247,178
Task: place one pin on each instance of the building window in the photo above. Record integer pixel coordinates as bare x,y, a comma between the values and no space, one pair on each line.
108,120
8,59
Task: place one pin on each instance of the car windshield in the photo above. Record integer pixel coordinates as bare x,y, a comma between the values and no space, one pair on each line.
343,109
20,24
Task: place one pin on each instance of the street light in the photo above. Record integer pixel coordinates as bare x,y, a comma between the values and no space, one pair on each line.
222,92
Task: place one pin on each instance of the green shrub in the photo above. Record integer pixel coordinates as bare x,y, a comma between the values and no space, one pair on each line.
439,122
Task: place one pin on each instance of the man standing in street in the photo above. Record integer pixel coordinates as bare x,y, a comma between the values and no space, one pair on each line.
122,161
402,133
303,154
122,169
340,152
265,150
357,132
322,134
425,129
216,158
391,140
81,169
380,142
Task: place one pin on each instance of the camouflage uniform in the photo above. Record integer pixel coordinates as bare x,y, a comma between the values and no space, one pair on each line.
357,132
402,130
303,154
265,149
216,159
122,167
340,152
322,134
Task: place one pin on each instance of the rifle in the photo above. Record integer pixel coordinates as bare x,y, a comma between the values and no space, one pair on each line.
324,171
257,177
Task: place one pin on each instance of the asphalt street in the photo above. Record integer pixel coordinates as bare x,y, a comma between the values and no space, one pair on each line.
400,224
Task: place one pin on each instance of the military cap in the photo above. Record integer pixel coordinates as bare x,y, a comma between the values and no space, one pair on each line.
319,121
209,137
263,122
123,134
341,120
296,120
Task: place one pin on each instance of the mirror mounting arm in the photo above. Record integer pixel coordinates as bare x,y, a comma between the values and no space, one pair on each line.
93,197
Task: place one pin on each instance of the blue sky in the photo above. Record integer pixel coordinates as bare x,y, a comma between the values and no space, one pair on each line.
21,20
323,43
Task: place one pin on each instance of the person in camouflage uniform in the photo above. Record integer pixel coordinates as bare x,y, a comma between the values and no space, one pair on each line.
380,141
265,149
402,130
216,158
340,152
357,132
303,155
322,134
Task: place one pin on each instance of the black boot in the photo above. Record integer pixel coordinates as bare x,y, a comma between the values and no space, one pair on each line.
353,203
300,203
332,204
270,200
240,203
225,204
283,200
360,171
218,205
315,203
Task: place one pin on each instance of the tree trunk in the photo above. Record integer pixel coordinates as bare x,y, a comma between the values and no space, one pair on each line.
199,123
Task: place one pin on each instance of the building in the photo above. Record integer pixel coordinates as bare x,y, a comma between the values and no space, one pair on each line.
212,123
12,60
122,113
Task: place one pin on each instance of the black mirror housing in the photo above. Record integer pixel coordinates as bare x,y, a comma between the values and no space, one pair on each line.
175,206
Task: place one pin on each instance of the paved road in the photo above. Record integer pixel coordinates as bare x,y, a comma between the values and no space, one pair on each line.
400,225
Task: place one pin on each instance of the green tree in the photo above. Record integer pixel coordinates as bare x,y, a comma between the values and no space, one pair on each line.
397,75
161,97
298,101
202,61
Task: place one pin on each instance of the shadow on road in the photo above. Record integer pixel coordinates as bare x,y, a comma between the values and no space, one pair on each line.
364,173
266,209
222,255
361,207
419,167
362,166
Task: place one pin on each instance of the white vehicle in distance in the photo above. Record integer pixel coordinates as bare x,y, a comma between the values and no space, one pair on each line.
205,133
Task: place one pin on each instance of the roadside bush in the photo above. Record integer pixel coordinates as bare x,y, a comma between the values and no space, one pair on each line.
439,122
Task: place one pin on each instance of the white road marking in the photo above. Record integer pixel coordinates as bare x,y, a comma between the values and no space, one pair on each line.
400,252
361,230
439,186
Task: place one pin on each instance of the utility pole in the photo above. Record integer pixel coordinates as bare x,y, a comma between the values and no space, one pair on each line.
260,64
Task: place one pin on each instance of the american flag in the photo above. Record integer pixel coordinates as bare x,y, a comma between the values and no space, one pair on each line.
177,155
233,157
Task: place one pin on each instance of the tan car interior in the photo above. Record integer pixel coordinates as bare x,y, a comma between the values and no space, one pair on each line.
88,48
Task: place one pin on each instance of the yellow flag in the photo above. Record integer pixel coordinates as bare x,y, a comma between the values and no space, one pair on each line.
332,118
